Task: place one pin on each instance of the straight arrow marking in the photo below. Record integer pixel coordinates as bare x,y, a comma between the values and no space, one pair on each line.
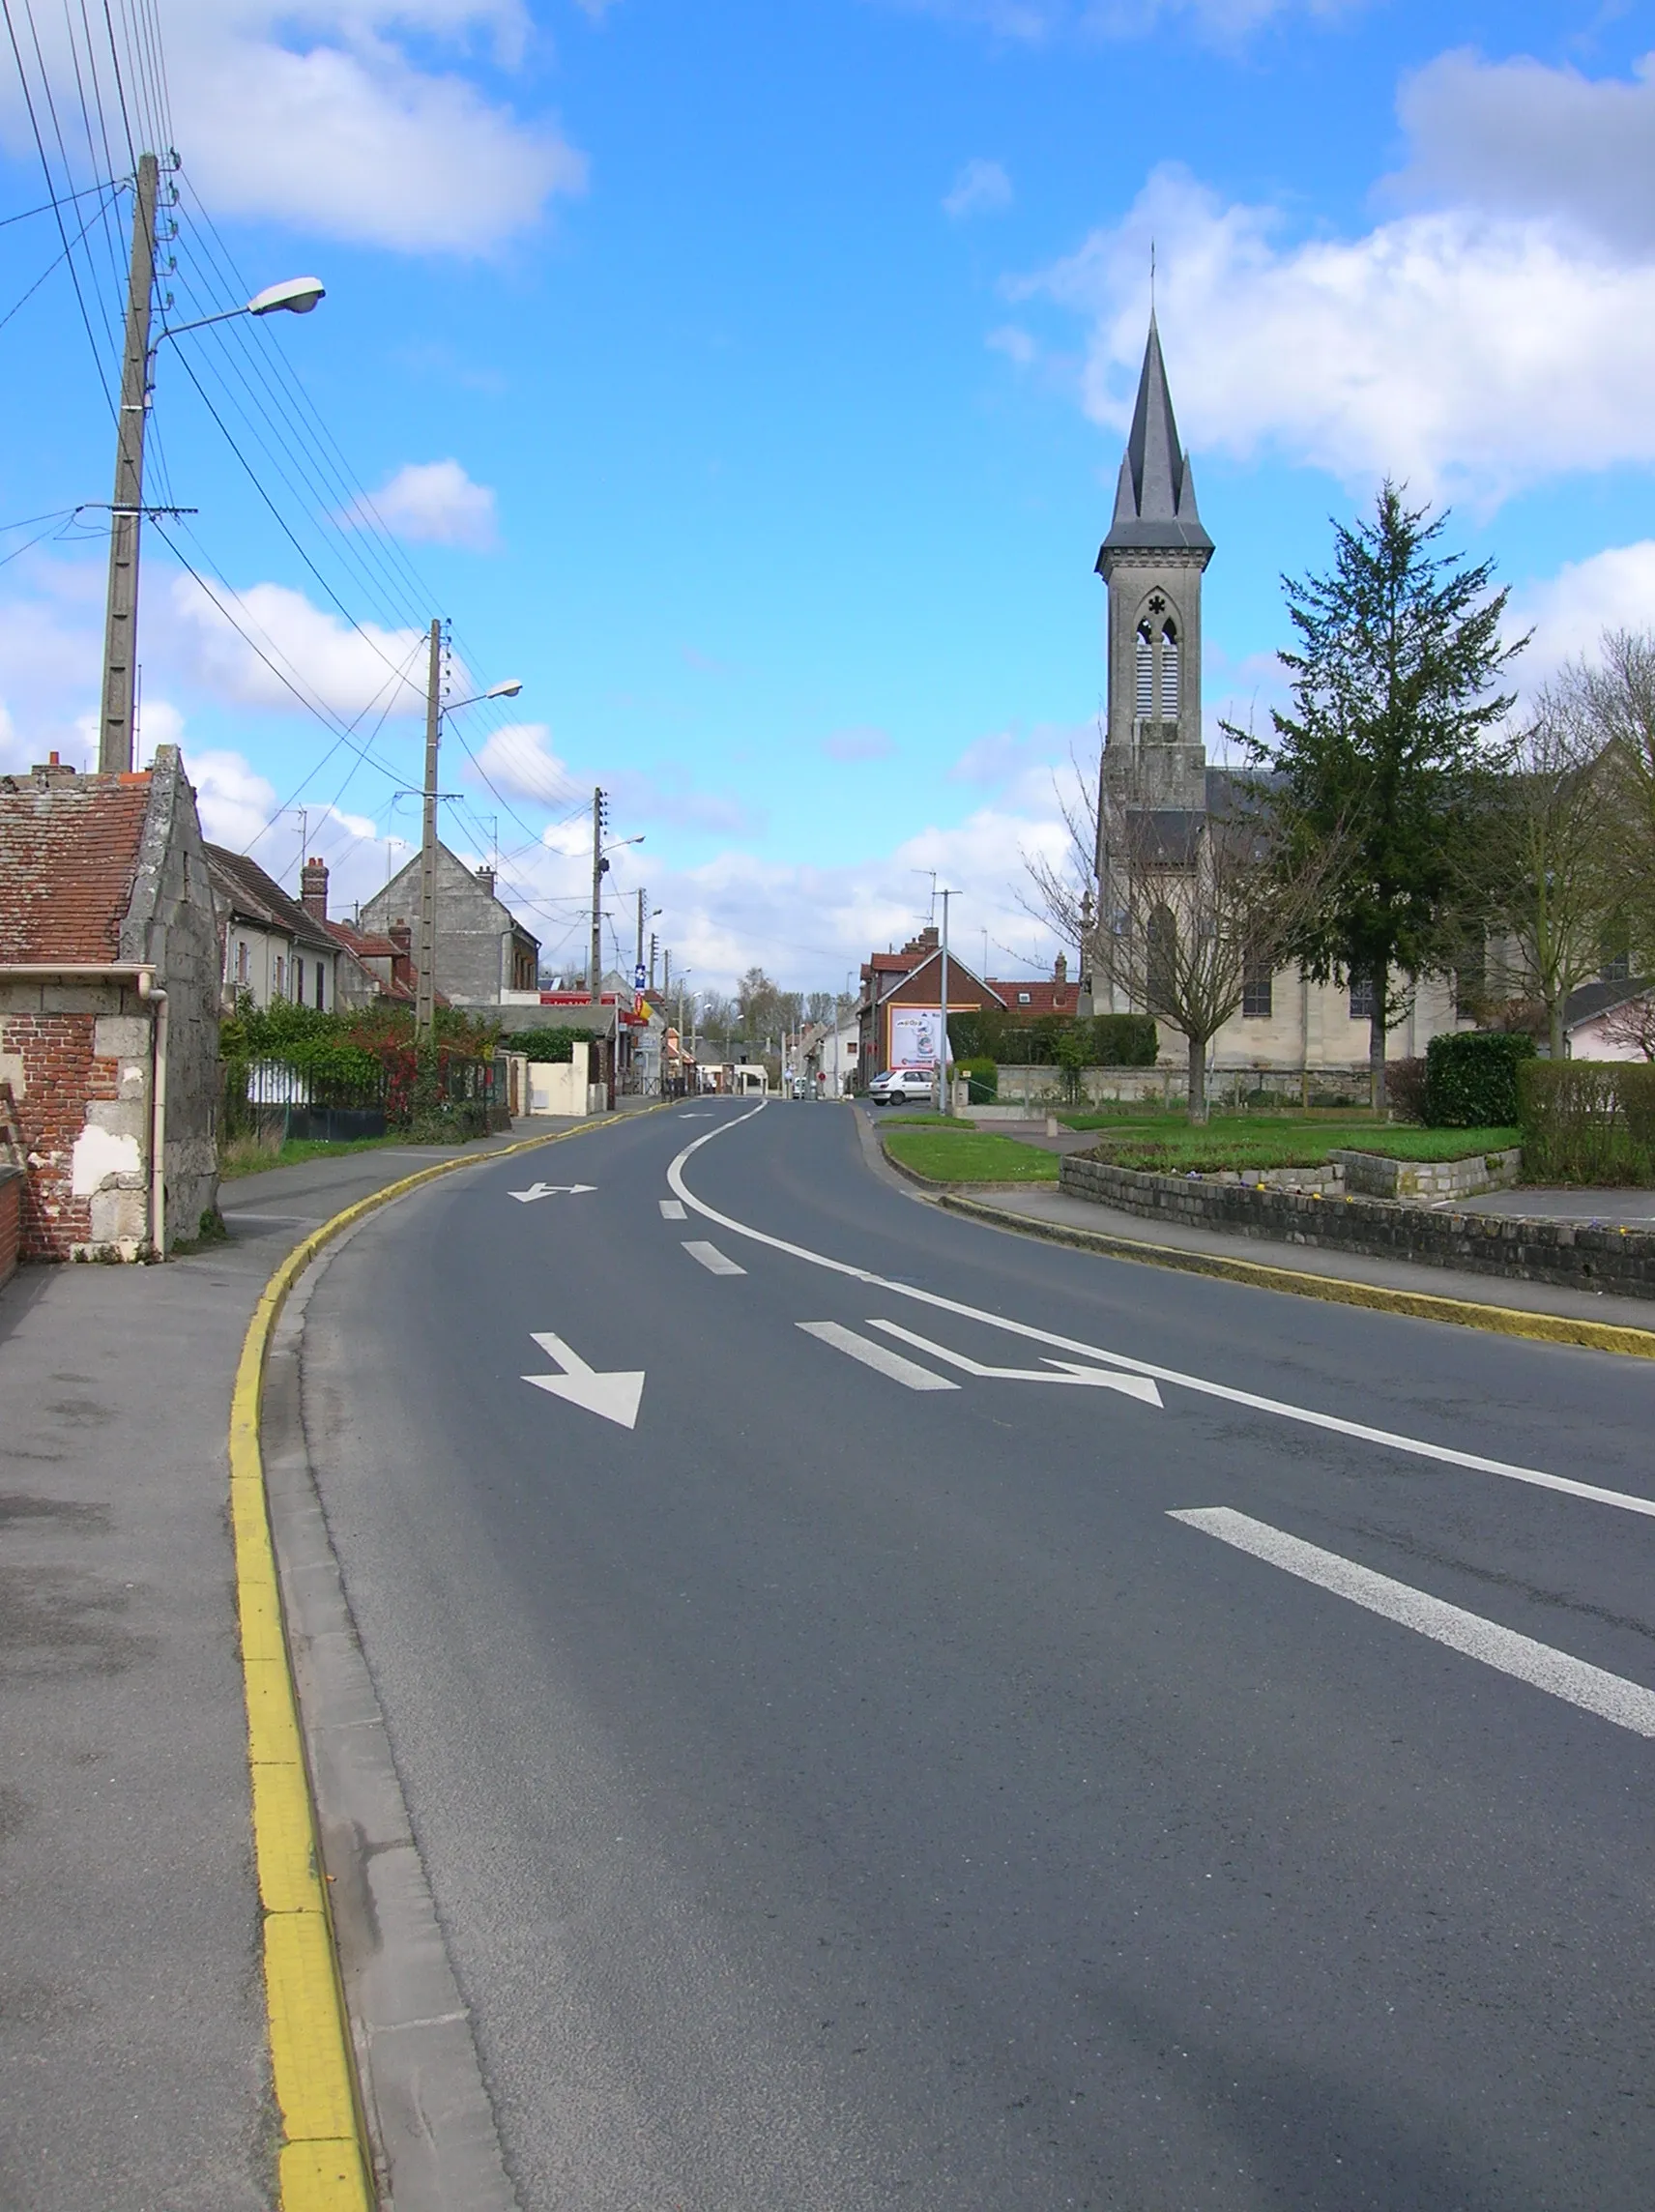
551,1190
1138,1387
614,1397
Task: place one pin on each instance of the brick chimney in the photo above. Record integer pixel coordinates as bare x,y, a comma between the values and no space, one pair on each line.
1061,968
401,936
485,877
313,888
52,770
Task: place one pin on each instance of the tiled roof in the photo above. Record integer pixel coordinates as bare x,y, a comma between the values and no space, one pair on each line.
1590,1000
367,945
68,854
260,898
1044,996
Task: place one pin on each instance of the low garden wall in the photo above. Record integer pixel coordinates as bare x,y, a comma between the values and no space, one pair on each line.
1579,1256
1428,1182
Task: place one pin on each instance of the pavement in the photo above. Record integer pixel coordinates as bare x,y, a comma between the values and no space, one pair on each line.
895,1712
133,2069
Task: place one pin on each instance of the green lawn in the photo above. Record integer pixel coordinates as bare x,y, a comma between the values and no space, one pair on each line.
251,1156
1168,1143
954,1152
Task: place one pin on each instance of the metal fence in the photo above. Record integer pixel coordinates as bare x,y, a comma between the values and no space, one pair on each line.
274,1099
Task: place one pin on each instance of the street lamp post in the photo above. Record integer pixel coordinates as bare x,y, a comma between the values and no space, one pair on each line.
425,989
943,1047
297,296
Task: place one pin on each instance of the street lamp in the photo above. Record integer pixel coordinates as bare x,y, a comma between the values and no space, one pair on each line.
295,296
436,707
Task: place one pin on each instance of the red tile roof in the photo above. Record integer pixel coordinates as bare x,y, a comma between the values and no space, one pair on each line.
69,855
1044,997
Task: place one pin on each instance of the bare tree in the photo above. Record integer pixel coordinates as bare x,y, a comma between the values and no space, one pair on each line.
1633,1025
1620,694
1189,909
1554,879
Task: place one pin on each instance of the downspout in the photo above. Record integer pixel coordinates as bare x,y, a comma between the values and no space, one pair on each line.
158,1117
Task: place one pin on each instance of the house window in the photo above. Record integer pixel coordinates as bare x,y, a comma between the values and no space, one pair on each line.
281,990
320,971
241,965
1361,997
298,981
1256,989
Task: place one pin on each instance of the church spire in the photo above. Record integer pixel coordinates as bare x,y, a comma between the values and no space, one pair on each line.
1155,504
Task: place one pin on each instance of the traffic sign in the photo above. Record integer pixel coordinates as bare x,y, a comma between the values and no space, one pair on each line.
639,979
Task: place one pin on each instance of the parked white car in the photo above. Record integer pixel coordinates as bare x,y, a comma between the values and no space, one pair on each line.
909,1085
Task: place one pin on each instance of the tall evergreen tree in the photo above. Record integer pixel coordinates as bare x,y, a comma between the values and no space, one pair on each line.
1398,654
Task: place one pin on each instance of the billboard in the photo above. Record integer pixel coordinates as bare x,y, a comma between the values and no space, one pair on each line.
915,1034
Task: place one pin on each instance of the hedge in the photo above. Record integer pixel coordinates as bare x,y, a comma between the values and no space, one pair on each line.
1470,1079
545,1044
1052,1040
1588,1120
982,1080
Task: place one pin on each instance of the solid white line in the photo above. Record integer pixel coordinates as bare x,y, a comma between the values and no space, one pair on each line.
672,1210
1628,1704
714,1261
1416,1447
876,1355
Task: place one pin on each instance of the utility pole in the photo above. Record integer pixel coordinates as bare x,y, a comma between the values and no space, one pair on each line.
116,732
639,962
942,1101
595,971
425,1001
655,954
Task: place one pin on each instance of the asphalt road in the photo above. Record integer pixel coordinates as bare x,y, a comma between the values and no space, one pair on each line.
842,1791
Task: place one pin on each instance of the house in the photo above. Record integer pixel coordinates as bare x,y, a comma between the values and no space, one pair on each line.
110,992
1158,795
831,1052
897,1018
1611,1019
273,947
1027,999
484,957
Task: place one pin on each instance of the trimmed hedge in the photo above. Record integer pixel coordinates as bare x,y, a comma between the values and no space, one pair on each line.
1588,1120
1052,1040
1470,1079
982,1080
545,1044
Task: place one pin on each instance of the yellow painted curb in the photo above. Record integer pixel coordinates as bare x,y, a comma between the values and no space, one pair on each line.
1333,1290
325,2163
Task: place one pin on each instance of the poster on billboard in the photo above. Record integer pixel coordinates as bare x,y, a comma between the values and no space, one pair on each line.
915,1031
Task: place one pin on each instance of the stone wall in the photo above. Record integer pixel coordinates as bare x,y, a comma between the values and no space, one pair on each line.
1166,1085
1581,1255
1427,1182
10,1219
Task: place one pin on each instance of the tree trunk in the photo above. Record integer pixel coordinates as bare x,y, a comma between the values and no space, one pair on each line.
1198,1079
1377,1034
1554,1023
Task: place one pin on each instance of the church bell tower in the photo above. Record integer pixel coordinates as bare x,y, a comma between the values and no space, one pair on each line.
1151,562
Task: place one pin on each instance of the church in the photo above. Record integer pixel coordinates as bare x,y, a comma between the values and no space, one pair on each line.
1157,792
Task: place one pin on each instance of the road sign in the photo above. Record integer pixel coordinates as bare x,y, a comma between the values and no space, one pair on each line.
639,979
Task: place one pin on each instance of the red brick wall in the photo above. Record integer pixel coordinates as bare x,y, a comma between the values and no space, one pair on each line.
61,1076
10,1205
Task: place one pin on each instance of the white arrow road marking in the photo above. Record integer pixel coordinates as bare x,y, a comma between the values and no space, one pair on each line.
1628,1704
1417,1448
672,1210
551,1190
876,1355
714,1261
1136,1387
615,1397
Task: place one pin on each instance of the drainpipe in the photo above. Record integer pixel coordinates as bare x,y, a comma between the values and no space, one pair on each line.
157,1120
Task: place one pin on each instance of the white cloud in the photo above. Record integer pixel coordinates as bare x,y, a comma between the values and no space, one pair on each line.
330,117
1570,611
234,801
433,503
980,187
350,671
1456,350
1035,21
520,758
1518,139
1016,344
859,744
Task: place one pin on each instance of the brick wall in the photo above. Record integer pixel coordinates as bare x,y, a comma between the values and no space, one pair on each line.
11,1218
1580,1255
76,1061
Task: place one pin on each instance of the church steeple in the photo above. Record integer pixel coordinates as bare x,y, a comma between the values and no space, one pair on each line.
1154,501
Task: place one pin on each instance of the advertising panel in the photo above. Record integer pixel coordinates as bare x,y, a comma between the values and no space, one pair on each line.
914,1033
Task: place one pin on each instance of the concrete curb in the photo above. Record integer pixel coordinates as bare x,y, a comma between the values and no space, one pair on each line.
1333,1290
325,2161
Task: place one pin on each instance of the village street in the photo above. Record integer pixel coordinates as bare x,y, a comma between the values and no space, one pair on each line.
895,1712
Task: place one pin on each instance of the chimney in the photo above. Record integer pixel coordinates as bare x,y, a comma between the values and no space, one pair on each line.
313,888
401,936
485,877
1061,968
52,770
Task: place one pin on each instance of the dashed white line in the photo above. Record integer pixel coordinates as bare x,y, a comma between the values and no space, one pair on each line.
880,1356
1628,1704
712,1260
672,1210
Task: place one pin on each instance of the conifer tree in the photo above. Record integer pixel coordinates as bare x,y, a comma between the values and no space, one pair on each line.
1398,654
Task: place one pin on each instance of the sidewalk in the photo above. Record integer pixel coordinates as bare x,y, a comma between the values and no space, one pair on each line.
1052,1213
133,2064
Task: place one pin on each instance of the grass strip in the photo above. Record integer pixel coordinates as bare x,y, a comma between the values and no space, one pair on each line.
941,1153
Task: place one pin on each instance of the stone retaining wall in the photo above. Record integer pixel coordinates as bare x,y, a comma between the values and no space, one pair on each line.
1428,1182
1582,1257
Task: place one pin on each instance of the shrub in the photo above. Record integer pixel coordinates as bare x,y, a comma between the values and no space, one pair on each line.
1470,1079
1404,1088
982,1080
1124,1040
545,1044
1590,1122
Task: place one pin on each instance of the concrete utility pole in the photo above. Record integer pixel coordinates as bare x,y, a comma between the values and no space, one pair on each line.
639,962
654,955
425,1002
595,971
116,732
942,1101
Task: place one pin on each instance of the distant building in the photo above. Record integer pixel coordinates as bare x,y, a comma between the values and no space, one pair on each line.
273,947
109,986
484,954
897,1015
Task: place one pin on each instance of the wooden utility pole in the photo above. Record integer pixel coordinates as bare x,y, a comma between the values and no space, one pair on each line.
116,734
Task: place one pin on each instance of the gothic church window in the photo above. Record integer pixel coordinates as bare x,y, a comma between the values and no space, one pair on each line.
1257,998
1169,674
1162,964
1361,997
1145,702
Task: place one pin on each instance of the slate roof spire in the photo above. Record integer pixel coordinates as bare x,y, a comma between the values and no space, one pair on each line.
1155,504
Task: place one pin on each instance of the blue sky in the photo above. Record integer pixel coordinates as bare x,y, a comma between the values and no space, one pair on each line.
751,379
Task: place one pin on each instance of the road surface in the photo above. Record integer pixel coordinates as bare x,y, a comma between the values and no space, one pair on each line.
895,1713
